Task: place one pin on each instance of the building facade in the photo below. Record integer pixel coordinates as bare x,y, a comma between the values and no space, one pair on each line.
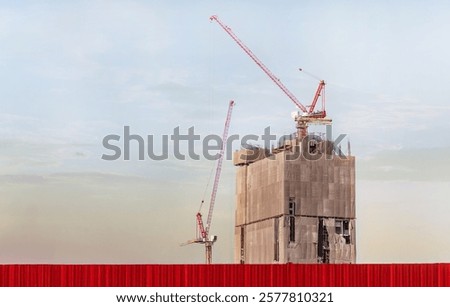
295,204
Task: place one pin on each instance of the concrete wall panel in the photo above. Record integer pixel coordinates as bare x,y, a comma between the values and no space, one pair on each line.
322,188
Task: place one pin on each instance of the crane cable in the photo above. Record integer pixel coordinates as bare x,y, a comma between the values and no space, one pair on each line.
211,109
206,188
309,74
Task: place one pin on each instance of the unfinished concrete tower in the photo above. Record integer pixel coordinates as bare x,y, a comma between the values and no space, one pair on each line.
295,203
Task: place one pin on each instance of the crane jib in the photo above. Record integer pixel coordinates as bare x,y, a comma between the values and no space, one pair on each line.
270,74
219,167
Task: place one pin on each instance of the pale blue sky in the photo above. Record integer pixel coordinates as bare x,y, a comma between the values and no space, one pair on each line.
72,72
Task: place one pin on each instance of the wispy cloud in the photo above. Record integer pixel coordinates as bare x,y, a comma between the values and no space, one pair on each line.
28,143
378,122
407,164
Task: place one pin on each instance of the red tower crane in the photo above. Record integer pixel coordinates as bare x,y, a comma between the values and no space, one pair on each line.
308,115
203,236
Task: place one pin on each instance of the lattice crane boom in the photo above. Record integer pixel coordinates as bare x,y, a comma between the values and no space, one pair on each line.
260,64
219,168
203,236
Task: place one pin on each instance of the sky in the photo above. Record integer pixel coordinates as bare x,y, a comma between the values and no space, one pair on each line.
73,72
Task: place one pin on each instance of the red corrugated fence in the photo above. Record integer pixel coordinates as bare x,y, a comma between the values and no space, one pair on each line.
221,275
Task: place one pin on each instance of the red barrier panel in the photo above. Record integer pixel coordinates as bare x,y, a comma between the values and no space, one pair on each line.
226,275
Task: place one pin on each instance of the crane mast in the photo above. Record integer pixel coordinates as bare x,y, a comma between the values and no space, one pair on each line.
319,93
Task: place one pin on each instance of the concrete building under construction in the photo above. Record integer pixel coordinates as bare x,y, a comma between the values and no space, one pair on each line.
295,203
